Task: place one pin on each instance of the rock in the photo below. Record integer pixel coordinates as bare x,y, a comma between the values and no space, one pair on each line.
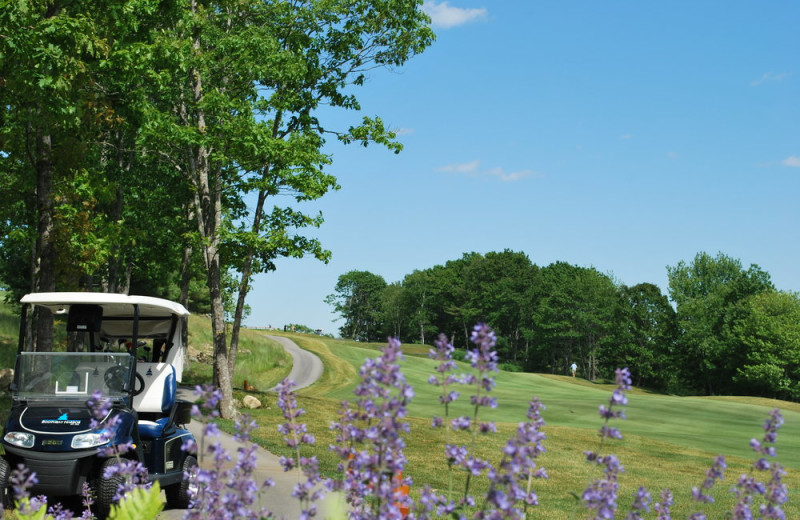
251,402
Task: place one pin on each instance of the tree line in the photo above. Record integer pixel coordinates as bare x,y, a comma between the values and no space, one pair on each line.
722,328
165,148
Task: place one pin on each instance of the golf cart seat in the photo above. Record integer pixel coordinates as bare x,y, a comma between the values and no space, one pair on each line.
157,402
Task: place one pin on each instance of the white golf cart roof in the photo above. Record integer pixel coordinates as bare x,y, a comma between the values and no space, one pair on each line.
113,304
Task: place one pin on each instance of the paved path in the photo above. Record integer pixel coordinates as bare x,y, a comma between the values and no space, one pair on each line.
306,368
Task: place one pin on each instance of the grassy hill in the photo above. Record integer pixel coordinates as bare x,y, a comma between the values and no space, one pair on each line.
669,442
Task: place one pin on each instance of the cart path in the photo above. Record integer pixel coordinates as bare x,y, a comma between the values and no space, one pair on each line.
306,367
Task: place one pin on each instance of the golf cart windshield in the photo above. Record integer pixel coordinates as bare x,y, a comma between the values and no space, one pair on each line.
72,376
106,324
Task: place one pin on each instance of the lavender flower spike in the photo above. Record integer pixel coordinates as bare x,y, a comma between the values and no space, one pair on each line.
370,438
774,492
713,474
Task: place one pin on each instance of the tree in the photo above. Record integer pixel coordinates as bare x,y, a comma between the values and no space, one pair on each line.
57,61
502,285
392,313
574,319
418,296
707,293
647,337
244,118
227,95
459,312
768,344
359,299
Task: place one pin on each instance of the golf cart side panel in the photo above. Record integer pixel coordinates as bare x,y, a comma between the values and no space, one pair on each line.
164,455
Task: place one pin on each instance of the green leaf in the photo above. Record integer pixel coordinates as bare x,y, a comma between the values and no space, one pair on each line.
141,504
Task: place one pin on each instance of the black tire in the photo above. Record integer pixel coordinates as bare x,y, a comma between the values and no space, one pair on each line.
6,500
178,496
105,489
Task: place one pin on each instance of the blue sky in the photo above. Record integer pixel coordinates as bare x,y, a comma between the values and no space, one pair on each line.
622,135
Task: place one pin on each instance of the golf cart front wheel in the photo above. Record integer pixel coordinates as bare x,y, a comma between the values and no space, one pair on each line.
180,495
5,493
105,489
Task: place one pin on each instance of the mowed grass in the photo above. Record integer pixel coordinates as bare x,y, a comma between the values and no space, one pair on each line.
669,442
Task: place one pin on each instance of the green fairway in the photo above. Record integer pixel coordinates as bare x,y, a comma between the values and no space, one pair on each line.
669,441
708,424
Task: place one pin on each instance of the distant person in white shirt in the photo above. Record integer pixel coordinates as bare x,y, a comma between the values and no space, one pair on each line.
574,368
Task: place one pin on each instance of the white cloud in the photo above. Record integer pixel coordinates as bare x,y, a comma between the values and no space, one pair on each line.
444,15
511,176
626,136
792,161
768,77
472,169
403,131
469,167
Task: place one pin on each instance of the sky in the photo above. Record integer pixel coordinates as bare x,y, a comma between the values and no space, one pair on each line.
626,136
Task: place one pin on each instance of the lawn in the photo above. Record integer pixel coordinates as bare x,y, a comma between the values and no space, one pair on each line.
669,441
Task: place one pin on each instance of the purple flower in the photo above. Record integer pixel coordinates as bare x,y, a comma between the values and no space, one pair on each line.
641,504
713,474
663,507
295,434
133,474
369,438
22,480
774,492
600,497
510,483
221,491
57,512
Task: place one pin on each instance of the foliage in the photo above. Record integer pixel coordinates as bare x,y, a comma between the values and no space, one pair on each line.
708,294
719,335
140,503
767,335
357,298
136,136
647,337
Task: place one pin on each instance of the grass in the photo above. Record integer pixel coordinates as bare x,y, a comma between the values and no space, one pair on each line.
669,442
261,361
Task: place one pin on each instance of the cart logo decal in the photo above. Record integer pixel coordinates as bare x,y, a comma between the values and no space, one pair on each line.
63,419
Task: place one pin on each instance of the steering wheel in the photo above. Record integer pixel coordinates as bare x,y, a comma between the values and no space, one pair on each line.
114,378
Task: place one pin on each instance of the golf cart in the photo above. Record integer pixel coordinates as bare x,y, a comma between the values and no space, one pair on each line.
130,348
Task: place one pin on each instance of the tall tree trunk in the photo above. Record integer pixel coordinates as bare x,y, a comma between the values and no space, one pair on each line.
246,274
208,210
186,275
45,267
209,215
117,264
